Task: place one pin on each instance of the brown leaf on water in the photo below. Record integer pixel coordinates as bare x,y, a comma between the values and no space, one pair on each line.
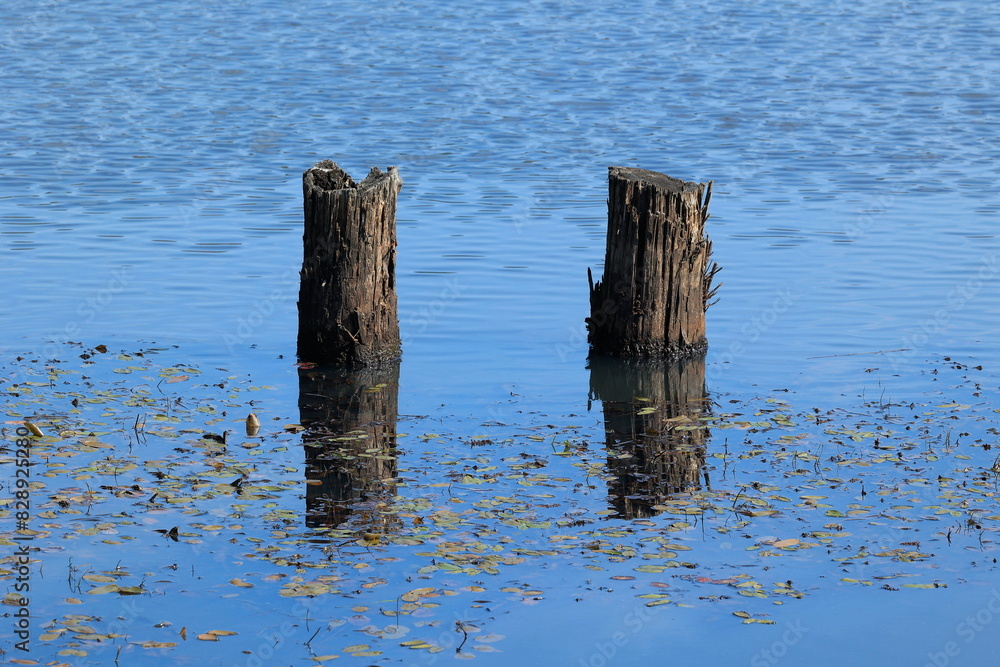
177,378
785,543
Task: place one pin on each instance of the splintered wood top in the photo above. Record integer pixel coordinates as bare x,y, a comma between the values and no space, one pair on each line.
327,175
654,178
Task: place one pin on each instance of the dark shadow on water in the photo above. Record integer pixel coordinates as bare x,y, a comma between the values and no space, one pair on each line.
350,445
654,436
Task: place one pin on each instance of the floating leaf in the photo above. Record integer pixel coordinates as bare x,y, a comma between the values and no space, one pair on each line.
354,648
785,543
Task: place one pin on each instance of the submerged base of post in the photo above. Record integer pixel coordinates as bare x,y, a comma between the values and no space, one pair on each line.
347,295
656,287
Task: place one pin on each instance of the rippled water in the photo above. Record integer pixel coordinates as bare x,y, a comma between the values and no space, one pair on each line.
152,154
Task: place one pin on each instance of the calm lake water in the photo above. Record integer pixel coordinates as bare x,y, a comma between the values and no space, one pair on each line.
150,199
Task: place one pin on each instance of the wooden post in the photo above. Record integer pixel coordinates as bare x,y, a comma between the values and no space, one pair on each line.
655,437
347,295
656,288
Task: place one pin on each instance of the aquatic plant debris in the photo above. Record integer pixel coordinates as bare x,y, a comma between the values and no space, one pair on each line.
162,535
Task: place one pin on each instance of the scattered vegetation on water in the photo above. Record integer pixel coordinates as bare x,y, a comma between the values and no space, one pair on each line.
170,503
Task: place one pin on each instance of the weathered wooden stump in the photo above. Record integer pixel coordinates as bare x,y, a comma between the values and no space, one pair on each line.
657,280
347,295
655,437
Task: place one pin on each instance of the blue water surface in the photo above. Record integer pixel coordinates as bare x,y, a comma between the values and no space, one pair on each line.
150,193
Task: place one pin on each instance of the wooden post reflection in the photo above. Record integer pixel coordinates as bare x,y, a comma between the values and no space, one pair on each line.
650,410
350,445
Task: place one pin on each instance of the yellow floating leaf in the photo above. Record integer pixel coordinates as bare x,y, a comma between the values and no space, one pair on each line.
100,590
785,543
240,583
208,637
